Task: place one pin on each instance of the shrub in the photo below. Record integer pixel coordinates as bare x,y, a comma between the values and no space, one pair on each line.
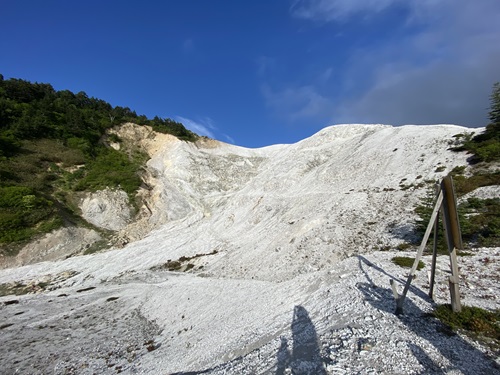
23,213
483,221
488,151
80,144
12,196
472,319
404,246
407,262
111,168
458,170
464,185
9,145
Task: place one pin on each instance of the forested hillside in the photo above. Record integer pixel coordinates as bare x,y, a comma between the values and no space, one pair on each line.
53,143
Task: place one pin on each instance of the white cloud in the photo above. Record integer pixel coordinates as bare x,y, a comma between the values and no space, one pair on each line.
442,70
343,10
203,126
296,103
338,10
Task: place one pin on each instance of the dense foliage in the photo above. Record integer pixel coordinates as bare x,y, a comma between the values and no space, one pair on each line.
53,143
479,218
111,168
486,146
35,110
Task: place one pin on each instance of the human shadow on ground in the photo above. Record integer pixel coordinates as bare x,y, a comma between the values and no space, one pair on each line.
461,355
304,357
301,357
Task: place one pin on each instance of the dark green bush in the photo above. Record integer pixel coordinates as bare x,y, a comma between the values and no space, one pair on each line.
111,169
23,213
407,262
486,146
458,170
464,185
473,319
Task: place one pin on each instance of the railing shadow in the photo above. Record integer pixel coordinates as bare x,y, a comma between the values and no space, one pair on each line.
461,355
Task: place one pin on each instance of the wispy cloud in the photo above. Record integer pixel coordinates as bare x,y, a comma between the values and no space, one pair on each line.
338,10
441,70
203,126
265,64
325,76
229,139
296,103
344,10
188,45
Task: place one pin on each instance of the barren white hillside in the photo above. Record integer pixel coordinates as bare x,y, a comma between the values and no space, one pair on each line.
261,261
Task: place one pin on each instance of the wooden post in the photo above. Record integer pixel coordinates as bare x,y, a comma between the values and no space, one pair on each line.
446,203
453,238
434,250
401,298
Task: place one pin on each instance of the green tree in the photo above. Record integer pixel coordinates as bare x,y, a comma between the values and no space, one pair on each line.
486,146
494,113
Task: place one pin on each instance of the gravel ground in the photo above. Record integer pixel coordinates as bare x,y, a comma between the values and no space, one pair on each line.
334,322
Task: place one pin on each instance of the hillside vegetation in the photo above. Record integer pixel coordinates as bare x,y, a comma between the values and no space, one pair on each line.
486,146
54,143
479,217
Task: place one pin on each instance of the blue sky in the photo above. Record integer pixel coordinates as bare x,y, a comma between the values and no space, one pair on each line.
262,72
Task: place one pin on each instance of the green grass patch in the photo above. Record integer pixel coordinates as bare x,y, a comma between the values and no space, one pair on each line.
407,262
475,320
481,222
458,170
96,247
464,253
464,185
403,246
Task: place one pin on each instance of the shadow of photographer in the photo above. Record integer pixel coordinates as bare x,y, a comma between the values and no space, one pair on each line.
304,358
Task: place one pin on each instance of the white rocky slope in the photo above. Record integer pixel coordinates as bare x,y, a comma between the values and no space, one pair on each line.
280,274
